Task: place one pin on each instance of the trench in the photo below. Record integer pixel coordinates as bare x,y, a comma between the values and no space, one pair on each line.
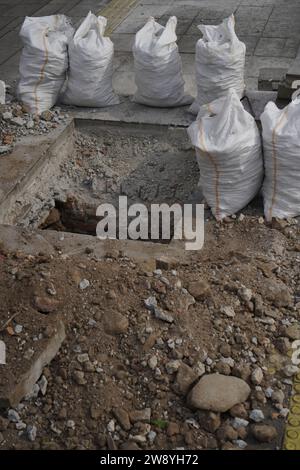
147,164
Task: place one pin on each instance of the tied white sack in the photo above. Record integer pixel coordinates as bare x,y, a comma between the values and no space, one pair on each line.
44,61
228,149
158,67
91,65
281,141
220,63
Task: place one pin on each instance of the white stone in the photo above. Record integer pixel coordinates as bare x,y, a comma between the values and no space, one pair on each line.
228,311
152,363
111,426
256,415
84,284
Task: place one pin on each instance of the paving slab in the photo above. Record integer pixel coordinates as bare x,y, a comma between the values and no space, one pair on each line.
294,71
251,20
283,22
255,63
277,47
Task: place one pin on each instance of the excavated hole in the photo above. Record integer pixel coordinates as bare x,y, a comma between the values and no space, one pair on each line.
148,164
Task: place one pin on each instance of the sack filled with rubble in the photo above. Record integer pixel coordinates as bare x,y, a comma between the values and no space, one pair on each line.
228,149
91,66
44,61
220,63
281,141
157,66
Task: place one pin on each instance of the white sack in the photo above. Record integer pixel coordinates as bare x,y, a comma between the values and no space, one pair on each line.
44,61
220,63
91,65
157,66
281,140
228,149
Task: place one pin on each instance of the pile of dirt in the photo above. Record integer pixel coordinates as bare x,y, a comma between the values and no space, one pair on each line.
144,344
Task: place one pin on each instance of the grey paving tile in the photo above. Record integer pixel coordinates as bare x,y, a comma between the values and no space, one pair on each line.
251,83
144,11
281,29
14,24
252,20
4,20
123,83
5,9
251,42
123,42
283,22
130,26
22,9
51,8
82,8
11,40
5,54
208,3
9,2
183,24
187,44
10,72
258,3
156,2
277,47
213,13
188,63
255,63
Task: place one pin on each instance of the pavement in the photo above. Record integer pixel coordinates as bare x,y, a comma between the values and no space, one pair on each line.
270,29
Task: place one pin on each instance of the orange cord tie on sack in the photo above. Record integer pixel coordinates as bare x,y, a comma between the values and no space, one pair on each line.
42,72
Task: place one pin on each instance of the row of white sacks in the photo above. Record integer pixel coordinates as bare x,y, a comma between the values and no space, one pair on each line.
53,52
225,135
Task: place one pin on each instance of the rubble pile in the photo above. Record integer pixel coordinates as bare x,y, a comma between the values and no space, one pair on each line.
15,124
159,356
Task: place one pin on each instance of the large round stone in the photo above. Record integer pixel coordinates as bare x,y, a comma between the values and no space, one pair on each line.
218,392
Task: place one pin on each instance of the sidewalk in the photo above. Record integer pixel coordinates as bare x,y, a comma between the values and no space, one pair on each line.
12,14
270,29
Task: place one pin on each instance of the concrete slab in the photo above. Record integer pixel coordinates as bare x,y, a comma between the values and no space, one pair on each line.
19,377
123,42
187,44
283,22
294,71
183,23
30,157
277,47
72,244
258,3
254,64
251,21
